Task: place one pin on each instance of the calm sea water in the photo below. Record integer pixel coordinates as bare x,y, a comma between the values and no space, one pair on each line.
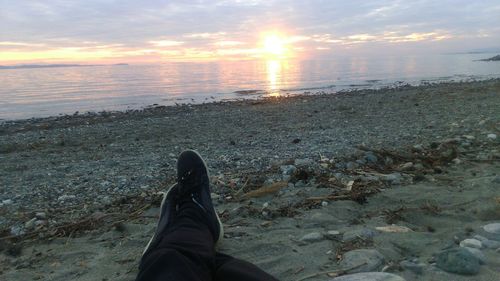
26,93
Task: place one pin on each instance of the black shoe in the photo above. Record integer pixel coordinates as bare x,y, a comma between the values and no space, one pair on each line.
193,182
167,214
193,186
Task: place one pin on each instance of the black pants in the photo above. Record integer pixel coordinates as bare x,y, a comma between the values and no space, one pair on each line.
187,253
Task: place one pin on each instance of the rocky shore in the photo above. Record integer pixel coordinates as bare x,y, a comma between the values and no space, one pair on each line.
402,181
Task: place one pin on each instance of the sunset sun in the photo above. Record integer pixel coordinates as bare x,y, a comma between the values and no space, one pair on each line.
274,46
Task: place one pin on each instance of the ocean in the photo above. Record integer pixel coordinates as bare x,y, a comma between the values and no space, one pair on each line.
43,92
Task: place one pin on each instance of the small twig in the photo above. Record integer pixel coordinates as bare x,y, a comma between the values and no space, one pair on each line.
328,197
336,272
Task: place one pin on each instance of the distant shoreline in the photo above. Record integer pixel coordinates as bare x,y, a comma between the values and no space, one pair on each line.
29,66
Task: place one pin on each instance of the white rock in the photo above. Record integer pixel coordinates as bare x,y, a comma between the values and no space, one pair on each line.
7,202
333,234
407,166
41,215
324,203
30,224
393,228
493,228
66,197
492,136
312,237
471,243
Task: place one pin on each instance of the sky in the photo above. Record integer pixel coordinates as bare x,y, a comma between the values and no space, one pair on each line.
132,31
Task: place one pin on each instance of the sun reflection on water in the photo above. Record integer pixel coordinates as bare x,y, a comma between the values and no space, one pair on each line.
274,71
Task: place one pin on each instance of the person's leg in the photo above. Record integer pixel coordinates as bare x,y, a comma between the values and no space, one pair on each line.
186,252
182,247
230,269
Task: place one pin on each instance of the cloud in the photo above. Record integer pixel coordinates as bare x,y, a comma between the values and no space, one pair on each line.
201,27
166,43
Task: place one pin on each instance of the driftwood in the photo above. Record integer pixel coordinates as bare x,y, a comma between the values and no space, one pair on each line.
334,273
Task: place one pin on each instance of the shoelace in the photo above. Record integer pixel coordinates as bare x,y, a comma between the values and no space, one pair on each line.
184,181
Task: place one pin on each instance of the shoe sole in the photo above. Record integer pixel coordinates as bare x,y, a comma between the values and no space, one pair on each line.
221,227
165,195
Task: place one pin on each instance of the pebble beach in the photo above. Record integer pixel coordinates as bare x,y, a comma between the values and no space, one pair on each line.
402,181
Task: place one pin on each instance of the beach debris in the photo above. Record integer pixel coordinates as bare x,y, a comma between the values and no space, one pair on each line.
372,259
393,229
458,260
334,273
30,224
369,276
266,190
471,243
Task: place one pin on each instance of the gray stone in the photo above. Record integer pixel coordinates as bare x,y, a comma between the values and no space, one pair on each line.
312,237
414,267
418,167
418,148
492,136
287,169
7,202
369,259
394,178
333,235
496,179
351,165
364,233
491,231
487,243
17,230
471,243
303,162
371,158
369,276
458,260
41,215
478,254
